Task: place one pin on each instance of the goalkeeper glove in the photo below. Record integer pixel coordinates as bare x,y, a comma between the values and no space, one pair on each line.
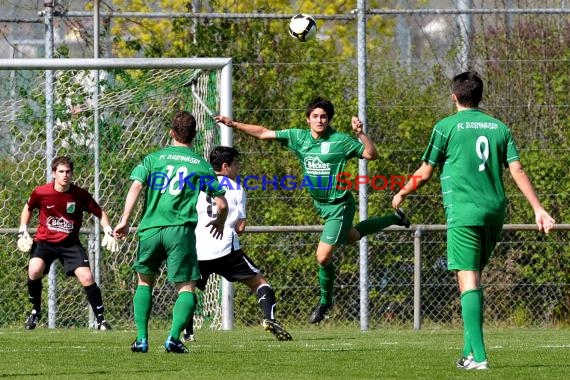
24,240
109,242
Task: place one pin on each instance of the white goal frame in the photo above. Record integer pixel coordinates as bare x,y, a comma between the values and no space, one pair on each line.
96,64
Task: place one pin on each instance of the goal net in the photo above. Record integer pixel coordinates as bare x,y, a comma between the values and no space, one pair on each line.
107,136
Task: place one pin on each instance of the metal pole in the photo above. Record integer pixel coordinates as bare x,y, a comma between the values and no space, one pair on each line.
13,79
362,164
207,15
49,74
226,133
418,278
96,259
508,16
226,139
465,23
403,38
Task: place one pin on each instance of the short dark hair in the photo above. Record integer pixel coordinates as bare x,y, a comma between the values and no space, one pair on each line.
184,127
222,155
468,89
61,160
320,102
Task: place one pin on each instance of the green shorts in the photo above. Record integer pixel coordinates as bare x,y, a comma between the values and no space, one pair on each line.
338,219
176,245
469,248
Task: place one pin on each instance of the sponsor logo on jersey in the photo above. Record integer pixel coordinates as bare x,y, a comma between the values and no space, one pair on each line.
59,224
314,166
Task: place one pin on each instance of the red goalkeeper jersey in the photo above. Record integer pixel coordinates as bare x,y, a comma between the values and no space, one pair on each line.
61,214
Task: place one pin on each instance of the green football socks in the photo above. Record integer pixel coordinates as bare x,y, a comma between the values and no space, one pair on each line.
327,276
142,304
472,313
183,308
376,224
467,348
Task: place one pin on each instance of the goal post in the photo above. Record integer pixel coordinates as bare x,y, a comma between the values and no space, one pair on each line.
45,116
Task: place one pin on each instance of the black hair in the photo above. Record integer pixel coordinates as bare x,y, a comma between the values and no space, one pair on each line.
468,89
322,103
222,155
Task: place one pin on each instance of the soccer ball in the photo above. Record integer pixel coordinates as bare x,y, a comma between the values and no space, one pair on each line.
302,27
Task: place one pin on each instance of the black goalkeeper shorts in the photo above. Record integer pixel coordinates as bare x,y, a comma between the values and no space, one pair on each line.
71,256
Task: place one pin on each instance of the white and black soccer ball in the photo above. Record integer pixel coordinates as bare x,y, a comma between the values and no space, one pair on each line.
302,27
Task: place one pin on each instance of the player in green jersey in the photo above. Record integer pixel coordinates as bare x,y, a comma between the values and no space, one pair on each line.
471,148
174,177
323,153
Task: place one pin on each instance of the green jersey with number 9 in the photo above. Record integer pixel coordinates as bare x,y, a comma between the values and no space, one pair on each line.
174,177
472,148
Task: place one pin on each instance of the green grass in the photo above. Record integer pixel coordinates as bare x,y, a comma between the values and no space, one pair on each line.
316,353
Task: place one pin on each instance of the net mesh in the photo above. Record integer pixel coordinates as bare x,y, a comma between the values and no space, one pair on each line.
135,109
208,311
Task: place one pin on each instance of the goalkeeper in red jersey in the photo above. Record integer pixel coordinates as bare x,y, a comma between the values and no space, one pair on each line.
61,205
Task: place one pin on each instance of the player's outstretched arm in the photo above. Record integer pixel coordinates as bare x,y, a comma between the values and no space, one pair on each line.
122,228
544,221
217,224
417,180
370,152
257,131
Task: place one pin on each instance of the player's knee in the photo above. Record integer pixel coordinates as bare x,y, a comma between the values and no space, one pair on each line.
145,280
187,286
35,274
85,276
324,260
86,280
36,268
324,257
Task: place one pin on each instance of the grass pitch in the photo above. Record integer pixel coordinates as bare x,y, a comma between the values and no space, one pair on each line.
315,353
